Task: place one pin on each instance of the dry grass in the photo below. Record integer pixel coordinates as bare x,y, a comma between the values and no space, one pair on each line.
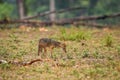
88,56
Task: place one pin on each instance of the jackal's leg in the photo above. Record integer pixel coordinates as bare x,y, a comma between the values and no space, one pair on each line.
45,52
51,49
39,50
64,49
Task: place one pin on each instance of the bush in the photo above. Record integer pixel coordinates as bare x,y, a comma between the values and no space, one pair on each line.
108,40
74,35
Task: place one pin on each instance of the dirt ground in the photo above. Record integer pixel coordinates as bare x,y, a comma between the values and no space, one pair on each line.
92,54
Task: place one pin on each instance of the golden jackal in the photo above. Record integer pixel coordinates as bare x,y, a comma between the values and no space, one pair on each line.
51,44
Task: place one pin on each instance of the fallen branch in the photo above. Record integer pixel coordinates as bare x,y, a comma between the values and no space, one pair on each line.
3,61
36,60
22,63
102,17
28,63
50,12
62,21
92,24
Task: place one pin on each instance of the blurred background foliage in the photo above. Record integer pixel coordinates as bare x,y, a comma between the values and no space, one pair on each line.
32,7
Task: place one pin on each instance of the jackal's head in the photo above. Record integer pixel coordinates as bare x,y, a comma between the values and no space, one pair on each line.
63,46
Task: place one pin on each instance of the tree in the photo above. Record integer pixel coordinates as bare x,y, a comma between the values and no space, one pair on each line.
21,8
52,8
92,4
5,9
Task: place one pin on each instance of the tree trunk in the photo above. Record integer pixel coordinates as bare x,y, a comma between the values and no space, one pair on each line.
52,8
92,5
21,8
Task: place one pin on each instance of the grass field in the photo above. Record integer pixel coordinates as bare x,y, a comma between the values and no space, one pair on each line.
92,54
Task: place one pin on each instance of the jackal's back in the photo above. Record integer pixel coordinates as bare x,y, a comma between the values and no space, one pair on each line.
45,42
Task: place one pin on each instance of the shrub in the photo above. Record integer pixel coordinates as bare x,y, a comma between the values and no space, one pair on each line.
85,54
108,40
118,49
3,52
14,38
5,66
74,35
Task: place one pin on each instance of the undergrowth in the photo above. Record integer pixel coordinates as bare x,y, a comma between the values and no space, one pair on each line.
74,35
